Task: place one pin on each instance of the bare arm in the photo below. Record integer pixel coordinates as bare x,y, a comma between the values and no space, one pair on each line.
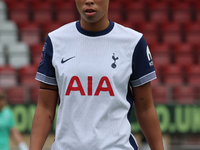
147,116
17,137
44,116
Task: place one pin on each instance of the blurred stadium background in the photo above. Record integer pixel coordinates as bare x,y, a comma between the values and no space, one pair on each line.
171,29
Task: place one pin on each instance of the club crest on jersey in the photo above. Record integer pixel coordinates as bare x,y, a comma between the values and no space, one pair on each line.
149,56
114,58
75,84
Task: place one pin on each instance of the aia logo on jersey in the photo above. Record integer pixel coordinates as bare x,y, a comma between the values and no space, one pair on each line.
149,56
103,86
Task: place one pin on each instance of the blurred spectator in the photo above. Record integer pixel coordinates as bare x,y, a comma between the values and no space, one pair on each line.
7,126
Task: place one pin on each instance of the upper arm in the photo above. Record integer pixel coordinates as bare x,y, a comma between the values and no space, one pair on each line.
143,99
48,96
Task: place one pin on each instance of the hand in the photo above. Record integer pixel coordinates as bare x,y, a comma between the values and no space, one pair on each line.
22,146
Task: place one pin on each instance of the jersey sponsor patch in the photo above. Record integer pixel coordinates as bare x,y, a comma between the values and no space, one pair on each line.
42,55
76,85
149,57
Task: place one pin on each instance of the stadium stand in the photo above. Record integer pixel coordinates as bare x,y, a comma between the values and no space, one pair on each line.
184,94
8,32
193,74
17,95
173,74
171,29
19,12
3,11
48,27
181,12
159,12
150,31
36,51
65,11
192,32
27,75
18,55
184,54
161,54
171,32
161,94
136,11
8,76
116,11
2,55
30,33
42,11
198,53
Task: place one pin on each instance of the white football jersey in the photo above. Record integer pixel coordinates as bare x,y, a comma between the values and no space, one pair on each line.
93,71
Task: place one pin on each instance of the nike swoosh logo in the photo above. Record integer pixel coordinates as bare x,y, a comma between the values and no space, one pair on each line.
63,61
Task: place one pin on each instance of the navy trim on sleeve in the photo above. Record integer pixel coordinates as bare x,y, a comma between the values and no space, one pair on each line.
46,71
142,65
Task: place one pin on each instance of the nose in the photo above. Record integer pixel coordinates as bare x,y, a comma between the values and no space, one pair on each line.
89,2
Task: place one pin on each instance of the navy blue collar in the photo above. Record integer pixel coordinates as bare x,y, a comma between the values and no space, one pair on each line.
91,33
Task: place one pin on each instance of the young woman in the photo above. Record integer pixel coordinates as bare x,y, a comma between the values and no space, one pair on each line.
98,69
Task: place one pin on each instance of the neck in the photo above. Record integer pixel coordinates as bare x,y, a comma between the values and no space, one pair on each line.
96,26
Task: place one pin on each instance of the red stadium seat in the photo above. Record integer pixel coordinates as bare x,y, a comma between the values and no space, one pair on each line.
128,24
19,12
192,31
184,94
196,6
198,92
30,33
159,11
136,11
150,31
42,11
151,38
161,94
17,95
184,54
173,74
27,75
50,26
36,51
161,54
115,12
198,53
193,74
182,12
171,33
65,11
8,76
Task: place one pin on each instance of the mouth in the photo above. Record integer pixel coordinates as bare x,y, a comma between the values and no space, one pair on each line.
90,12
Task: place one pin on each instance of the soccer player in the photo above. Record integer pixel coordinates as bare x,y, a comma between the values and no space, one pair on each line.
98,69
7,126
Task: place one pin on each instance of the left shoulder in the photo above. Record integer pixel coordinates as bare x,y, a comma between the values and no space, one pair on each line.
127,31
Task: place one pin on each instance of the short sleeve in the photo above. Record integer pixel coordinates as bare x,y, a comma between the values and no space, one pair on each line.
142,64
46,71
